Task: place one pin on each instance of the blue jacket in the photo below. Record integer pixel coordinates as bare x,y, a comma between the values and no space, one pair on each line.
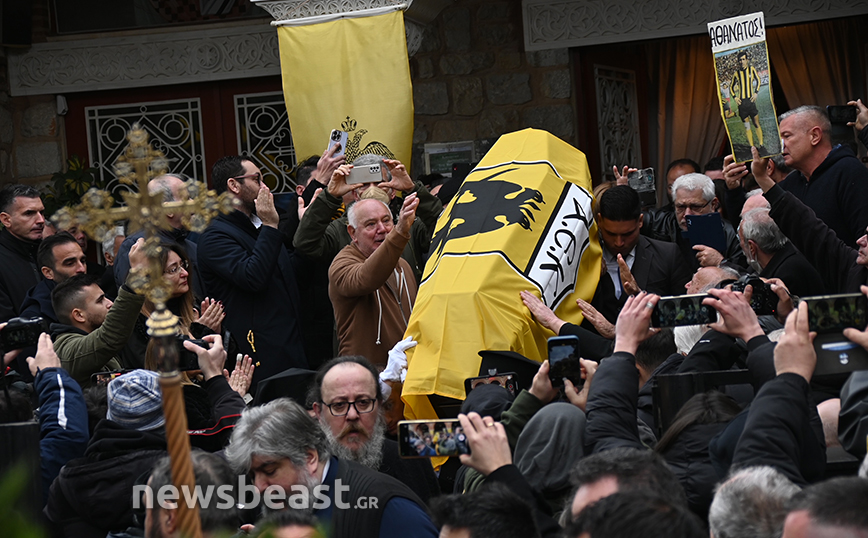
253,274
62,422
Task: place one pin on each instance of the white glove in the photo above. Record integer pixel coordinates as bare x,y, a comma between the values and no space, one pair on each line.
396,368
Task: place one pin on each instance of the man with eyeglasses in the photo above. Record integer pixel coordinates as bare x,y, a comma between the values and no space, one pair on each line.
285,452
172,188
693,194
348,402
243,263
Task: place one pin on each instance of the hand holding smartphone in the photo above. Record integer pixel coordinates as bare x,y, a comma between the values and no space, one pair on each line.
431,438
682,310
564,362
338,137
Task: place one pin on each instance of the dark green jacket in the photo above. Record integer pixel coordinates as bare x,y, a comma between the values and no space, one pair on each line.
83,354
514,420
320,236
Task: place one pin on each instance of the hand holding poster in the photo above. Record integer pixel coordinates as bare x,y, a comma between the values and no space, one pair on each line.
741,63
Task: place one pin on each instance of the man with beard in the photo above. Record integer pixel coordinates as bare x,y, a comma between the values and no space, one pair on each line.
286,453
348,403
245,265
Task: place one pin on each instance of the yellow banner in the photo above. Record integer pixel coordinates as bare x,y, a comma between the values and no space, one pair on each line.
521,220
352,75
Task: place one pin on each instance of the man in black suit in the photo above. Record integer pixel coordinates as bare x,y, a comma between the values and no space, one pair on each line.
771,254
633,262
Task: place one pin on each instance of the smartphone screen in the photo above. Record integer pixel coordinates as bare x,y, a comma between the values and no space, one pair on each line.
564,361
431,438
506,381
682,310
834,313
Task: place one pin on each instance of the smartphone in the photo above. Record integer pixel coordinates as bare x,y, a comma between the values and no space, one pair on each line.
338,137
642,180
564,361
828,316
20,333
310,190
682,310
366,173
834,313
841,113
506,381
431,438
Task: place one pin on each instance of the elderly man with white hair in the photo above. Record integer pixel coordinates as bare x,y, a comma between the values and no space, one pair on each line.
371,287
693,194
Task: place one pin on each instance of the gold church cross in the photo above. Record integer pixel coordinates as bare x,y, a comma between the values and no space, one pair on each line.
145,211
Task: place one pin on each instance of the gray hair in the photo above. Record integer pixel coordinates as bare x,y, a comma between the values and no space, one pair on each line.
751,194
279,429
817,114
752,503
686,337
164,184
692,182
210,470
757,226
108,244
352,217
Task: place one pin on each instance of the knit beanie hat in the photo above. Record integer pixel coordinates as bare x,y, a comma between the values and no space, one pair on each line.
135,401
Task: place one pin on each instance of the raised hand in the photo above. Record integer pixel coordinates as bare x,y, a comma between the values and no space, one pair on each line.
795,351
400,178
634,322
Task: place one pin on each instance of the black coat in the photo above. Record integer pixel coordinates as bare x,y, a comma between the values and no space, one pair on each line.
18,273
658,268
833,259
781,431
796,271
93,495
853,418
417,474
252,273
836,192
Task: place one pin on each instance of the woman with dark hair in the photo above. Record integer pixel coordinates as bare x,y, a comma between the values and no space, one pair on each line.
207,401
176,268
684,445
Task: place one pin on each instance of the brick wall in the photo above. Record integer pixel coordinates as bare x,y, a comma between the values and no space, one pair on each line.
473,81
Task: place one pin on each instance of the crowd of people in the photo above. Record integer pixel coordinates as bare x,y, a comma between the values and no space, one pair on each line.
292,337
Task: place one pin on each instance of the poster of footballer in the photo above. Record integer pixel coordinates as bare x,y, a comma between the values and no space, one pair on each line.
741,64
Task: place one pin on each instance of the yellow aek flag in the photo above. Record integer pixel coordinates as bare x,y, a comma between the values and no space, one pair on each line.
349,74
522,220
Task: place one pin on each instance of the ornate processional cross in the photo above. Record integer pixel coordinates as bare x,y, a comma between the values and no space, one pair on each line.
145,211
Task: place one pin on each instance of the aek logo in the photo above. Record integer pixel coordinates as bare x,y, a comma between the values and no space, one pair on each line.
525,213
484,206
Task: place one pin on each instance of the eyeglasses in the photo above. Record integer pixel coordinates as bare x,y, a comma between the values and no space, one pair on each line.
175,269
256,177
340,409
696,208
